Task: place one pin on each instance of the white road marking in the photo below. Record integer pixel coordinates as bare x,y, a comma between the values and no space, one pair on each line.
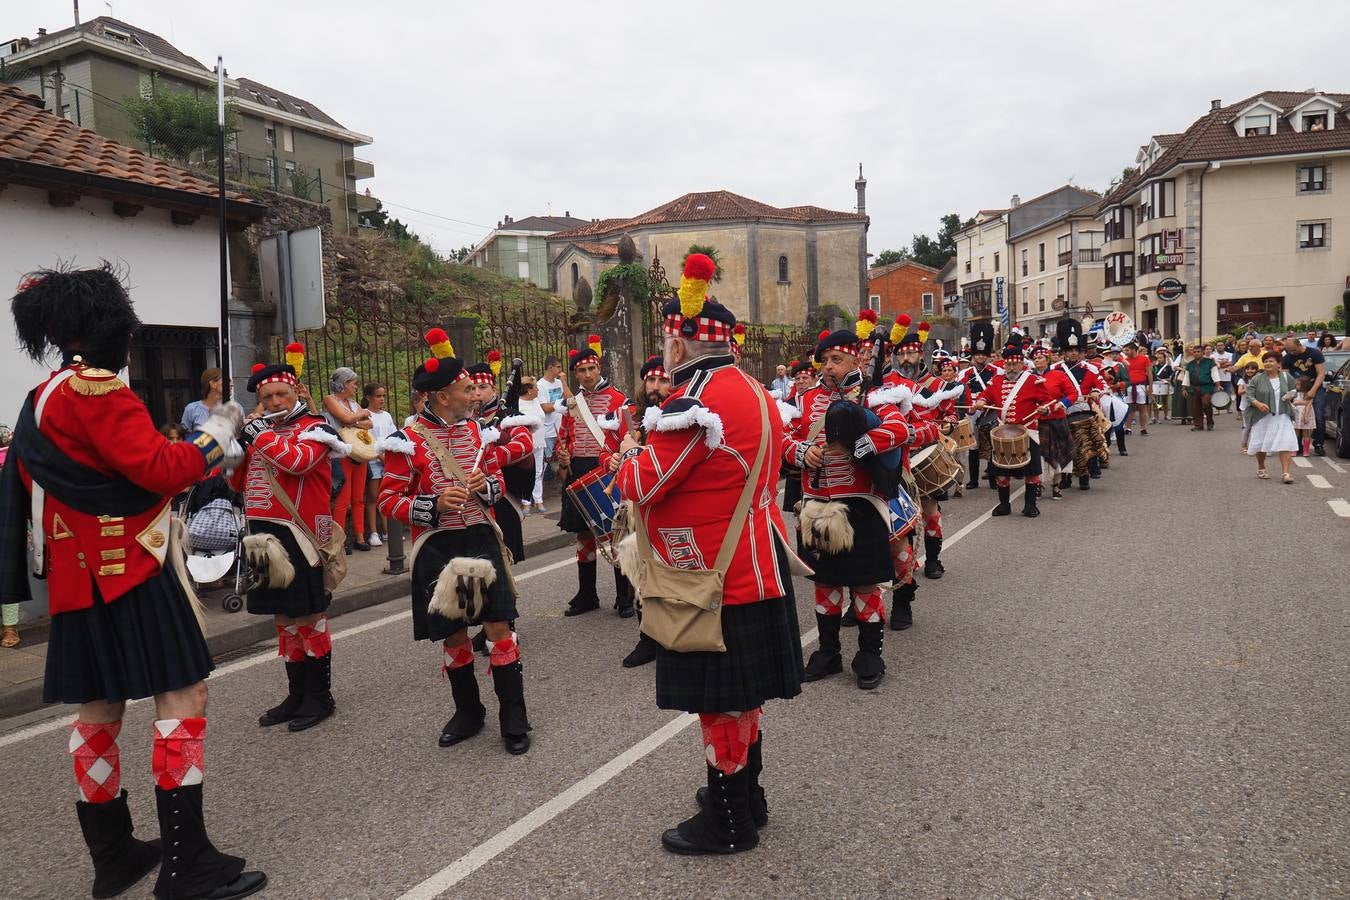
249,662
1335,466
1303,462
1319,481
1340,508
508,837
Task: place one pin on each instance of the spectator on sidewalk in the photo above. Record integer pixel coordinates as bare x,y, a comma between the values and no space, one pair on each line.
1271,415
781,383
530,405
1248,373
419,400
1308,362
1252,353
197,411
342,411
1327,341
551,401
381,427
1201,371
1305,417
1139,374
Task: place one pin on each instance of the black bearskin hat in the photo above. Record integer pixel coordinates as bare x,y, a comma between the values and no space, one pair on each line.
81,312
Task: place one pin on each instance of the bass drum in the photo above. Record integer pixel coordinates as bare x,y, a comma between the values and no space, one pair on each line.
1114,409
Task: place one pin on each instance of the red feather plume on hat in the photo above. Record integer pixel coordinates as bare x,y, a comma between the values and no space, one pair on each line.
823,335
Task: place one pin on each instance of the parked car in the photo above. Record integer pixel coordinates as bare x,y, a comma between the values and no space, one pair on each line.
1338,411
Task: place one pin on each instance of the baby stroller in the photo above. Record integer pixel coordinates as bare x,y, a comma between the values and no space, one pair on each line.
216,527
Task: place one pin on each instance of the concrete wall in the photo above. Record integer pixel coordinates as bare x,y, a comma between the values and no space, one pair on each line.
504,256
841,279
902,289
781,302
172,269
1250,239
588,267
732,244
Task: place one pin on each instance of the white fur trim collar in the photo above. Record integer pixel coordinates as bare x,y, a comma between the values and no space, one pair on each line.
701,416
950,394
897,395
534,423
335,445
396,444
788,412
609,422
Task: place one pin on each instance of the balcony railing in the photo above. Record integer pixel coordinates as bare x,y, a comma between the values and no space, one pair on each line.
1089,255
1065,257
359,168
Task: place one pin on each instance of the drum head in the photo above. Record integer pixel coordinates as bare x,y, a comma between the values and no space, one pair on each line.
922,456
1008,431
1221,399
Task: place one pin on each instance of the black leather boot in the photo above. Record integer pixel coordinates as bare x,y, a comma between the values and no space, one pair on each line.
623,596
120,860
317,703
826,660
724,825
868,665
973,467
1120,442
1095,467
932,561
643,653
1065,480
509,682
902,612
586,598
1029,501
1084,483
192,867
754,764
285,710
469,710
1004,507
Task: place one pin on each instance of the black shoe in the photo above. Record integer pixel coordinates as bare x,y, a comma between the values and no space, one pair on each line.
586,599
973,464
1084,483
623,596
317,703
1055,492
509,682
1004,507
120,860
347,550
902,612
1319,450
581,604
362,546
627,611
1143,431
725,825
469,710
754,764
1095,467
867,664
285,710
192,866
643,653
1065,481
826,660
1029,501
932,557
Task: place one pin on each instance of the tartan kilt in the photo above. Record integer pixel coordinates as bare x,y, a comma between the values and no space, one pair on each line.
869,562
145,642
571,519
1056,443
477,541
763,660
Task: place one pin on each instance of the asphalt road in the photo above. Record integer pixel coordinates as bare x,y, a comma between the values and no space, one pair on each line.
1141,693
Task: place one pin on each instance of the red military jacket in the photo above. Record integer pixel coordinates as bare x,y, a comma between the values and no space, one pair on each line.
841,475
1083,376
96,420
899,397
610,408
978,379
1022,410
298,450
512,439
1058,385
413,478
701,446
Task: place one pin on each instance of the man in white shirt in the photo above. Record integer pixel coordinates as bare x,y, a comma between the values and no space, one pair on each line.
551,400
1223,375
530,405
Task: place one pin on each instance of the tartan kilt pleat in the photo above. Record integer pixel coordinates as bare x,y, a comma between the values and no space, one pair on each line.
1056,443
869,562
477,542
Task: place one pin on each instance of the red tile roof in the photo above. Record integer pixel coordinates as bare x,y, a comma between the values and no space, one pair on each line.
596,249
878,271
1213,137
709,206
42,149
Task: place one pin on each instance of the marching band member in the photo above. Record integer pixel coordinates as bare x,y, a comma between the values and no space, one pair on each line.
509,438
982,371
789,408
655,390
588,435
441,482
1056,441
92,480
844,521
1020,398
703,443
1088,442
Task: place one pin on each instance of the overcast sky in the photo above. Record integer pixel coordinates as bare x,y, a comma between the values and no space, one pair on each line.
608,109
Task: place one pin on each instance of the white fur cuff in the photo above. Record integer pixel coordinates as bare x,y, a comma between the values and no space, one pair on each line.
609,422
950,394
489,435
788,412
534,423
897,395
709,421
322,436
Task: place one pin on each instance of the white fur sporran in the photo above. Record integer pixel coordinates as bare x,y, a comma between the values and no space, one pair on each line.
461,588
268,561
825,526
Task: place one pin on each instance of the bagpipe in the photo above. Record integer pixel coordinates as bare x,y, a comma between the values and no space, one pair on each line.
519,476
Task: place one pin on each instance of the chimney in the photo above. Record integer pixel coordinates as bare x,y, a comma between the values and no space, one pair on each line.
567,214
1214,105
861,187
42,33
1016,200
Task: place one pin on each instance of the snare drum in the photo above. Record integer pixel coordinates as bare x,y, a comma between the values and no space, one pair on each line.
905,515
964,435
596,495
1221,399
934,470
1012,446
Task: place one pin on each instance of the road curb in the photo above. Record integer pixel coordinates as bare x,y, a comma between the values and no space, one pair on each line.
246,630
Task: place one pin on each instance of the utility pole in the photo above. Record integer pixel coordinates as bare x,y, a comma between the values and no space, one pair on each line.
224,361
77,13
58,83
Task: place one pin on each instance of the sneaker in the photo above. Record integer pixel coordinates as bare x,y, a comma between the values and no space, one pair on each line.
542,511
524,509
375,540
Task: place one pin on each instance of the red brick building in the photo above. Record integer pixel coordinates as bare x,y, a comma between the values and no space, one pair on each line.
904,287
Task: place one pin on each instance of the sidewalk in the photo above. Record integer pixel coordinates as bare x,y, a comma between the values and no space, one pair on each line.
366,584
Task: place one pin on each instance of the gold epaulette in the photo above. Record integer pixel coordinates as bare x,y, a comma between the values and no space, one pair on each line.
95,382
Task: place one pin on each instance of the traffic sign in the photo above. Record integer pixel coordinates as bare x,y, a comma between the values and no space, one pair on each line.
1170,289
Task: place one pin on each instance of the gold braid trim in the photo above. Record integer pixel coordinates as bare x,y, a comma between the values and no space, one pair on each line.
95,382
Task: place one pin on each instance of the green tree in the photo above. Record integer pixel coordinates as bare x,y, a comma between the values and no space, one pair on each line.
706,250
935,252
178,126
886,257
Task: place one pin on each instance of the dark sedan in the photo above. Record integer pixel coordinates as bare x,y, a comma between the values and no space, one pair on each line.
1338,411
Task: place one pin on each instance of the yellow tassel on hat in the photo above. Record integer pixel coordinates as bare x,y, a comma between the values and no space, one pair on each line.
494,361
439,342
699,269
295,358
593,341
